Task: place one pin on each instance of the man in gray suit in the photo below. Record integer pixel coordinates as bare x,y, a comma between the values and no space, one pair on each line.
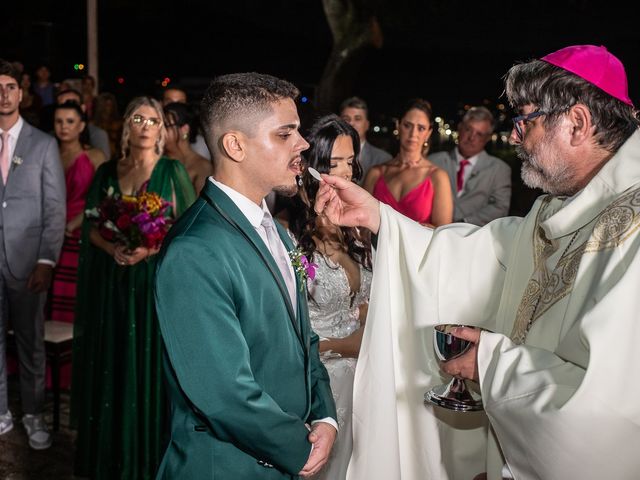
481,183
354,111
32,221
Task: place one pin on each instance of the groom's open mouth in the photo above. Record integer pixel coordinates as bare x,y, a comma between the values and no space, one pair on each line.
296,165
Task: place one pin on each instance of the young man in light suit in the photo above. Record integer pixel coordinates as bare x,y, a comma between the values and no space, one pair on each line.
32,222
481,183
249,396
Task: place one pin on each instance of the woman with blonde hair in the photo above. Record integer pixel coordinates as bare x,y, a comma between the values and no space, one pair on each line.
118,402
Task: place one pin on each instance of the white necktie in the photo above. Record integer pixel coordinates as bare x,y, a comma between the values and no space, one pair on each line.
4,157
279,253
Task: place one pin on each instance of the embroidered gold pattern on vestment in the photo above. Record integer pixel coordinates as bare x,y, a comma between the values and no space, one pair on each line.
610,229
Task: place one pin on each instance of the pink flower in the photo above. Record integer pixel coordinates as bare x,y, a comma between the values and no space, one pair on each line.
309,268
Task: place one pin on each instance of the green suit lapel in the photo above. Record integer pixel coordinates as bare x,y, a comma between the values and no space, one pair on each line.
220,202
301,290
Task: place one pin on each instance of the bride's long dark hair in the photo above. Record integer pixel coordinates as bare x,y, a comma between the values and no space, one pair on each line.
303,220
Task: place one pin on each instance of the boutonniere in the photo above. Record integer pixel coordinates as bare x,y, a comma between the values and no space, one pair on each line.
16,162
302,266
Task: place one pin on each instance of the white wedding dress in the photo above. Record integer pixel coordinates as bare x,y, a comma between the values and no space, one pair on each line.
334,313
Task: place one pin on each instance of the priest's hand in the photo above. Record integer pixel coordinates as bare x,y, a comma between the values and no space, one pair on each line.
322,436
345,203
465,366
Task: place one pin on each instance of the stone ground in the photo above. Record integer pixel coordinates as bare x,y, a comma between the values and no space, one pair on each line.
19,462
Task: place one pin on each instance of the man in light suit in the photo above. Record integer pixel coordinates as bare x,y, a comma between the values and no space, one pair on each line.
481,183
32,222
355,112
249,395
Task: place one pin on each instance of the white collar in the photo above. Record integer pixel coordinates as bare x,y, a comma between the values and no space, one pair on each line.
620,173
249,209
14,132
471,160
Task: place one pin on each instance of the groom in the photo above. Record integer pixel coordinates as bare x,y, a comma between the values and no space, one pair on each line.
249,396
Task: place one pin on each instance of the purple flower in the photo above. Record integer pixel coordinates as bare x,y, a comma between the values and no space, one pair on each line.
141,218
309,268
302,266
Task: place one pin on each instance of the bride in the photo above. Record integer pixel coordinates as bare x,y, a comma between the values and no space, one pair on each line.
339,293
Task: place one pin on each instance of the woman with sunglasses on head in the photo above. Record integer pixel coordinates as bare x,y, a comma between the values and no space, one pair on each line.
181,133
410,183
117,398
339,293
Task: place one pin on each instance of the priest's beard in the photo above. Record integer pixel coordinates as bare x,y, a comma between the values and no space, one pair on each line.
543,167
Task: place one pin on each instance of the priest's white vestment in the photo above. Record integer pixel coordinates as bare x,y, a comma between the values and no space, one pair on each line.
561,289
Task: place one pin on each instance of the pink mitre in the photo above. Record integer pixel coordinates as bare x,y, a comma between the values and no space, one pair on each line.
596,65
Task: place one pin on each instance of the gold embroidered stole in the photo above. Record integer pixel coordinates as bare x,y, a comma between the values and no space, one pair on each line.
611,228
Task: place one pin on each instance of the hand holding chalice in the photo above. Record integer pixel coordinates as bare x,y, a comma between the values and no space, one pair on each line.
455,395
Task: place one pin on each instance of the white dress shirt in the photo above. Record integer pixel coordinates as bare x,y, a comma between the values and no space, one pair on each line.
467,171
14,133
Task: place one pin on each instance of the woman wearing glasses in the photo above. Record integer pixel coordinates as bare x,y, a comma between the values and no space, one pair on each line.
117,398
181,133
409,182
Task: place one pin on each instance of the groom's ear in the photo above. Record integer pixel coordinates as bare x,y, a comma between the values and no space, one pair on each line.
232,144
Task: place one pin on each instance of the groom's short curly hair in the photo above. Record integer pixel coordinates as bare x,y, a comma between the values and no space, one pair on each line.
237,100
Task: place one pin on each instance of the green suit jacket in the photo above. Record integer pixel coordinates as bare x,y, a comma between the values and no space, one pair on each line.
242,368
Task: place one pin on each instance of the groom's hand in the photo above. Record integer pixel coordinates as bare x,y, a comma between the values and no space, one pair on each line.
345,203
322,436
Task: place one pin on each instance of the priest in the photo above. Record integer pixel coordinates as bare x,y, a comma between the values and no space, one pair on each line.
557,293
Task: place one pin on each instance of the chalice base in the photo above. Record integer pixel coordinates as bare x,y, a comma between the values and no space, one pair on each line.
454,396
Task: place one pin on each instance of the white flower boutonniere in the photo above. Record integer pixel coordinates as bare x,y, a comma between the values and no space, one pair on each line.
16,162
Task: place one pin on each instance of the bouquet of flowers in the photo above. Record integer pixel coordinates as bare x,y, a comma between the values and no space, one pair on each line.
133,220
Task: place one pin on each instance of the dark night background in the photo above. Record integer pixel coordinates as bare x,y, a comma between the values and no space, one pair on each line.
449,52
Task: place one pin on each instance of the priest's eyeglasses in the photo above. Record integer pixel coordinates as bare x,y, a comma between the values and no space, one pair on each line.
140,121
520,122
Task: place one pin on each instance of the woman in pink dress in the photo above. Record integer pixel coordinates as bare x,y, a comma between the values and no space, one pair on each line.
80,162
409,182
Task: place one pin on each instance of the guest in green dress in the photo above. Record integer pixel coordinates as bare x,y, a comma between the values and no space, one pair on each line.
118,403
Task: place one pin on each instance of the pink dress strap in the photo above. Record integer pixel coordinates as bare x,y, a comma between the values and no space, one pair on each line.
416,204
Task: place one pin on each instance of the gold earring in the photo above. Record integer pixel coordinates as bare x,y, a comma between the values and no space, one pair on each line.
185,136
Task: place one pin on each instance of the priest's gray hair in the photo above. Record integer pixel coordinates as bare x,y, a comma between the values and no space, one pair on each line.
554,90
